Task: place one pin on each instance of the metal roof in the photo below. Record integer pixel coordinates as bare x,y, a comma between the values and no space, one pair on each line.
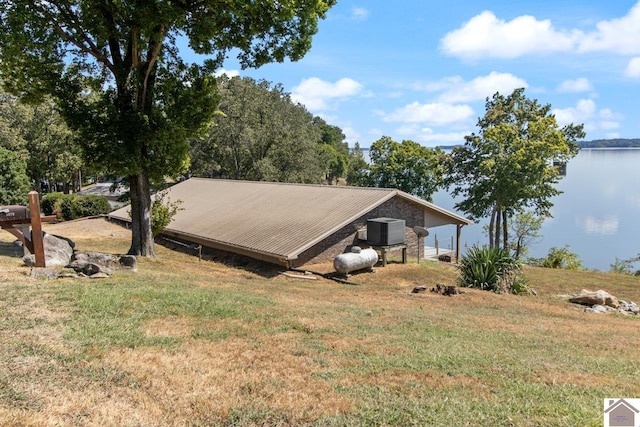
274,220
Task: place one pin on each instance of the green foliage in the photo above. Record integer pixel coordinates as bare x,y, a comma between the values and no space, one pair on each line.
262,135
508,166
115,72
407,166
89,205
625,266
491,269
558,258
358,168
38,134
66,207
53,201
14,183
334,152
162,212
525,227
73,206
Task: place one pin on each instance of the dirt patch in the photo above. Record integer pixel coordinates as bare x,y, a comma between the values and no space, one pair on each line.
85,228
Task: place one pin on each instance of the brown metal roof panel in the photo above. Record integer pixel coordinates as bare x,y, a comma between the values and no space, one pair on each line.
272,218
276,218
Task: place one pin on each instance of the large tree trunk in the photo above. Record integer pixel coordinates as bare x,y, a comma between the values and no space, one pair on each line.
498,227
505,228
141,235
492,225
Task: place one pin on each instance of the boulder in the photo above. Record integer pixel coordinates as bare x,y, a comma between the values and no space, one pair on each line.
57,252
629,307
598,309
598,297
445,290
44,273
91,263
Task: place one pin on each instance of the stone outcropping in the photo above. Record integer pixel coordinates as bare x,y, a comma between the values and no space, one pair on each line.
603,302
598,297
57,251
90,263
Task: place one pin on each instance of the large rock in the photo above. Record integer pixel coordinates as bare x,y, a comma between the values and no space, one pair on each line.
598,297
57,252
91,263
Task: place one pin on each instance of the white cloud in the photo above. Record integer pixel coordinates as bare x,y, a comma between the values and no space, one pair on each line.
359,14
435,114
481,87
581,84
485,35
351,135
617,35
599,226
633,68
584,110
428,136
587,112
316,94
229,73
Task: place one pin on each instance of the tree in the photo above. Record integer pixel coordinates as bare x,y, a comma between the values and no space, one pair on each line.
334,151
14,183
508,166
38,135
407,166
357,168
259,135
525,227
115,69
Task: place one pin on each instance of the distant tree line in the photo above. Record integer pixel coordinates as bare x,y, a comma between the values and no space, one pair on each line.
611,143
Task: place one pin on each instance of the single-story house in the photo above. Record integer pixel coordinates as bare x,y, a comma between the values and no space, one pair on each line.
293,224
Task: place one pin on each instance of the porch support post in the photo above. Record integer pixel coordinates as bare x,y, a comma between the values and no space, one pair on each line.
458,240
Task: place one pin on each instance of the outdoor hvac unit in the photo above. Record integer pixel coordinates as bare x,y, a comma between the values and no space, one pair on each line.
385,231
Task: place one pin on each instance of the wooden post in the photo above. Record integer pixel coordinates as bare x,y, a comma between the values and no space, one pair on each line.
36,228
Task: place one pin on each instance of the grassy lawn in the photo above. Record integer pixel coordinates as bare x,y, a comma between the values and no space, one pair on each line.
183,342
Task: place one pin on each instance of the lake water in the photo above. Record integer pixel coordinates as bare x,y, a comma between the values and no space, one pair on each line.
598,214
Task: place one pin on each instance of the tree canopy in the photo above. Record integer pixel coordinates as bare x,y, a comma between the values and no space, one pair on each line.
14,183
509,165
407,166
259,135
116,72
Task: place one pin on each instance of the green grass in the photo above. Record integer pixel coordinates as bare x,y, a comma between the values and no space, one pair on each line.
184,342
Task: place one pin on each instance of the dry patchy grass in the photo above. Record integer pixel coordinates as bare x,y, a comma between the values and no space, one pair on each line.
184,342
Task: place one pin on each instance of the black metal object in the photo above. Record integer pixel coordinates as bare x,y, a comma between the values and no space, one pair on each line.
385,231
14,213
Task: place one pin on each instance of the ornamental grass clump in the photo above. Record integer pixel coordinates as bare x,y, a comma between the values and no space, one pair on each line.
492,269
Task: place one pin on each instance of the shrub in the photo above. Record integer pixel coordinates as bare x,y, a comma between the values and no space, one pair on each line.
52,201
72,206
558,258
89,205
162,212
491,269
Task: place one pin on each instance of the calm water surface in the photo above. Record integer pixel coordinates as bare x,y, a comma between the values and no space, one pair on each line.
598,214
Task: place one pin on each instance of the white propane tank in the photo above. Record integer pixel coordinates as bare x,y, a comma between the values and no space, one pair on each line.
357,259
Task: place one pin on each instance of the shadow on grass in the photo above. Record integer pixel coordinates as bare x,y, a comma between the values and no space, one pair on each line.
260,268
11,250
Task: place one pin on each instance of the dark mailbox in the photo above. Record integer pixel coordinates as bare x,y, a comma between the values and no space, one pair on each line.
14,213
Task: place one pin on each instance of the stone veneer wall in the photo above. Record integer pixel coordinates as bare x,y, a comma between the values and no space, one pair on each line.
342,240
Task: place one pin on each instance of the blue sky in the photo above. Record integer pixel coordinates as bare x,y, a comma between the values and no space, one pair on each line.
421,70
